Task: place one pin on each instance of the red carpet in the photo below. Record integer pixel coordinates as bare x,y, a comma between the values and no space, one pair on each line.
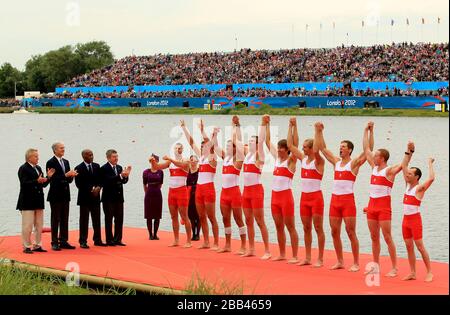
153,262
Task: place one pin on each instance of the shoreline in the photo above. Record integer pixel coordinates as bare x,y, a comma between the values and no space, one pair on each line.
242,111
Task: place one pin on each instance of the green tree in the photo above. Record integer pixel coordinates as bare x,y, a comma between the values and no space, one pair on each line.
8,76
94,55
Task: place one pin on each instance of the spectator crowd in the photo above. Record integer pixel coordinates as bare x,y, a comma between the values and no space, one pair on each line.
405,62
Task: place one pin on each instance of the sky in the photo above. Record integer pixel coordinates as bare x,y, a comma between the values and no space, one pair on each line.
146,27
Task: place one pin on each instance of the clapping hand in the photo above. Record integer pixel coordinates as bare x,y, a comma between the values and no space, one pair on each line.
41,179
50,172
71,173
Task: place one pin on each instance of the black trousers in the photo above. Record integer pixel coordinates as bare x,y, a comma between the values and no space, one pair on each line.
113,210
59,221
94,210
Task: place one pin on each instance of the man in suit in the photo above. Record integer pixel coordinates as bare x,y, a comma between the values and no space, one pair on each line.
113,178
88,183
59,197
31,200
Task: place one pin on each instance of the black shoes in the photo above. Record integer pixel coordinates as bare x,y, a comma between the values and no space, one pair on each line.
100,244
66,245
156,237
56,247
39,249
119,244
84,245
110,244
28,251
195,238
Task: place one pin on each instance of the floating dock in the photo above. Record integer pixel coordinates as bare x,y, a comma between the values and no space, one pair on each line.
150,265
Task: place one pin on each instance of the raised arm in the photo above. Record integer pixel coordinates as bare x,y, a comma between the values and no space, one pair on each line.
367,138
269,144
422,188
189,138
318,138
217,149
261,157
292,135
236,138
407,158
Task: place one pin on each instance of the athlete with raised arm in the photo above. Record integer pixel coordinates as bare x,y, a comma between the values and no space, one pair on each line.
379,212
311,201
205,194
412,220
282,204
342,205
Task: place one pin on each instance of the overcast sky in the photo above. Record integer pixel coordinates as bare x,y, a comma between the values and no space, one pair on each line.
176,26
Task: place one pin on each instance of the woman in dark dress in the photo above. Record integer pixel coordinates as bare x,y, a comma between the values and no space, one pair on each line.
153,201
191,182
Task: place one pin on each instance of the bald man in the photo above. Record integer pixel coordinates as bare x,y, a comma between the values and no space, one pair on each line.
88,183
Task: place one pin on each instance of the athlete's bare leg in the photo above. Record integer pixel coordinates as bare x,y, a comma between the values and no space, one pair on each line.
187,225
374,229
426,259
290,225
335,224
226,218
307,231
411,259
175,225
386,229
318,226
281,236
259,218
210,208
250,223
204,224
350,228
237,215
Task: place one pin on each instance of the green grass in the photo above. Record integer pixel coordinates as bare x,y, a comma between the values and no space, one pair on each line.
265,109
202,286
19,281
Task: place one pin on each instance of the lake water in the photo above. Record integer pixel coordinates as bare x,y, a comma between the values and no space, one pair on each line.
135,137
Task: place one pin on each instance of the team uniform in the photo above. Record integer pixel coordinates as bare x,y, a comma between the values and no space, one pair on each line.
379,207
342,198
230,195
206,192
178,192
311,200
282,198
253,195
412,220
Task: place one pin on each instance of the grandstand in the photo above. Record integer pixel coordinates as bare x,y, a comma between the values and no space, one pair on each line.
398,75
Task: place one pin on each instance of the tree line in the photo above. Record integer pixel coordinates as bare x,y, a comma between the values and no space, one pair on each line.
44,72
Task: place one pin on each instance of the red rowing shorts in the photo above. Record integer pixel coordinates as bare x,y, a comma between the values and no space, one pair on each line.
342,206
231,197
283,203
205,193
379,209
178,197
311,204
253,197
412,226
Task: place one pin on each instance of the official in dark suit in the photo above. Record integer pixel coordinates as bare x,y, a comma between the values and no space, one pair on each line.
31,200
59,197
88,183
113,178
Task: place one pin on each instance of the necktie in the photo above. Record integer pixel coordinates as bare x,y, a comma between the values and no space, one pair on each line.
90,168
115,170
37,171
62,165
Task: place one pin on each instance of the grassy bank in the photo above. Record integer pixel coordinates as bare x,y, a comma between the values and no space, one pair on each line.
19,281
243,111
